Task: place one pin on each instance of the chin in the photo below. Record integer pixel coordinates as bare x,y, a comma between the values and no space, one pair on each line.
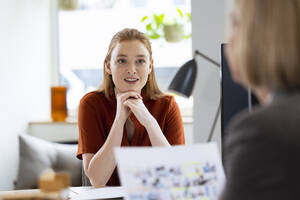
128,90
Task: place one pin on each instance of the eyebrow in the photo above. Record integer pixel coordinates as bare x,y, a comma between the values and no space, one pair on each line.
122,55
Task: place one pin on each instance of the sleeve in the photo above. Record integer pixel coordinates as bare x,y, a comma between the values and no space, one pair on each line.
173,129
91,130
253,163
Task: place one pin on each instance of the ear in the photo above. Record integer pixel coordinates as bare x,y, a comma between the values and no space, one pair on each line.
151,66
107,67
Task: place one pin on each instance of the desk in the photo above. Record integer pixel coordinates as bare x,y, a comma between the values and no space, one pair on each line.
78,193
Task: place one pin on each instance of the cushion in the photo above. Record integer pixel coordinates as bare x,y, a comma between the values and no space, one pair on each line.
37,155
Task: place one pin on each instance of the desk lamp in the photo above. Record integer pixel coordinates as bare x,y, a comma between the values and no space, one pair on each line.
184,81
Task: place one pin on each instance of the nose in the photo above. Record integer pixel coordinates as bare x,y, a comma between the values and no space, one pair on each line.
131,69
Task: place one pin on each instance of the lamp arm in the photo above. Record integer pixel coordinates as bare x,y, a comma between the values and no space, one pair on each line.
212,130
219,105
207,58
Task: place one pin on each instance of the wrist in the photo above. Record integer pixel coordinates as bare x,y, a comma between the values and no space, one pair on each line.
150,122
119,122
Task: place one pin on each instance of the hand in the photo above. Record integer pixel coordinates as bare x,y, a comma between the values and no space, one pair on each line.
123,111
139,110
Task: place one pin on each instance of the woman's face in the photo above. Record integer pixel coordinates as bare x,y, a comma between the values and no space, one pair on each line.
129,66
233,31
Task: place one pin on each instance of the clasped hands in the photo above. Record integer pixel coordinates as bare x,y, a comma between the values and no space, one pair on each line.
131,101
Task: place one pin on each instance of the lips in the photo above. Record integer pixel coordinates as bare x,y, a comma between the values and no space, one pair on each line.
131,80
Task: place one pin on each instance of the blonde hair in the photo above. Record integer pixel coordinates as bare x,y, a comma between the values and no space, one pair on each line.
267,46
151,89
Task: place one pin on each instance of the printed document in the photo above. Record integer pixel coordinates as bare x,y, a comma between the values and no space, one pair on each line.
167,173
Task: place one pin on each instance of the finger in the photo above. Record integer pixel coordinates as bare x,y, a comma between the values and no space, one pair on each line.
134,101
133,97
129,103
127,95
128,110
127,107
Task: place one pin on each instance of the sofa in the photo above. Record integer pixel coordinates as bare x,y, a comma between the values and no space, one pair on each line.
37,155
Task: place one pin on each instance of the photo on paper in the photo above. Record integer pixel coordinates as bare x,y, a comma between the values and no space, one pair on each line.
180,172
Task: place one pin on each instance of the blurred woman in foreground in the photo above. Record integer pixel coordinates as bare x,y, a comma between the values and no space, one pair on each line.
262,148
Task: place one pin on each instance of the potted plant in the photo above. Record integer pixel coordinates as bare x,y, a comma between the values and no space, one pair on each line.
170,28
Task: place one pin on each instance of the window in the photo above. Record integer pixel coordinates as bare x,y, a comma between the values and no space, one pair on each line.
84,35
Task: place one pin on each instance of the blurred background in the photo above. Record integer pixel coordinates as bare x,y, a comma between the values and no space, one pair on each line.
45,43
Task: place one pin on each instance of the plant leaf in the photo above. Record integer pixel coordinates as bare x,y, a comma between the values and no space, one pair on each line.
158,19
162,16
144,18
149,27
187,36
179,11
154,36
188,16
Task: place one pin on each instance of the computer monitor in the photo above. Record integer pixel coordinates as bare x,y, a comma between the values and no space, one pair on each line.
234,97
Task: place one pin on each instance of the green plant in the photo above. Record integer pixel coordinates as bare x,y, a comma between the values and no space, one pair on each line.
155,23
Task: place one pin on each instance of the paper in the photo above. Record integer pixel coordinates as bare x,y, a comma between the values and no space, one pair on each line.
98,193
179,172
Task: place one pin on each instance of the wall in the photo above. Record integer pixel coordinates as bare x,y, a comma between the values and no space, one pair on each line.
208,19
24,75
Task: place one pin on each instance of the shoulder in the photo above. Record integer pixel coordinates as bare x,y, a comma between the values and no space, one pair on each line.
247,122
277,121
165,102
93,95
167,99
247,126
93,98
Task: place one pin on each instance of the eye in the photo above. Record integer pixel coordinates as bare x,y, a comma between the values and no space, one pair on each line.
140,61
121,61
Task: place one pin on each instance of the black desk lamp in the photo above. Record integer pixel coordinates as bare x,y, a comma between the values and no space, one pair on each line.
184,81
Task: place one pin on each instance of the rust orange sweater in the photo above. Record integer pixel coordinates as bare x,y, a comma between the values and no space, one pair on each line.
96,116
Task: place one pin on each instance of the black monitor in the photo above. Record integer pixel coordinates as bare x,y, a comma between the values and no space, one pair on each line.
234,97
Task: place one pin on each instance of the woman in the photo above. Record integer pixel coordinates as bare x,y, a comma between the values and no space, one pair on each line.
127,110
262,148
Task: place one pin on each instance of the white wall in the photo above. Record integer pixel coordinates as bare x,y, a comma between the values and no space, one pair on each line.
24,75
208,19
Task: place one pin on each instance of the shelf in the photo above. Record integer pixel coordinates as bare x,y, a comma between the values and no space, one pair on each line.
67,132
63,132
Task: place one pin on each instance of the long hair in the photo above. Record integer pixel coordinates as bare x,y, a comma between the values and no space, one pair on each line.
151,89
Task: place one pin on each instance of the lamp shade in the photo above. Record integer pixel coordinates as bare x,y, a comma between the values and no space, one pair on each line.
184,80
